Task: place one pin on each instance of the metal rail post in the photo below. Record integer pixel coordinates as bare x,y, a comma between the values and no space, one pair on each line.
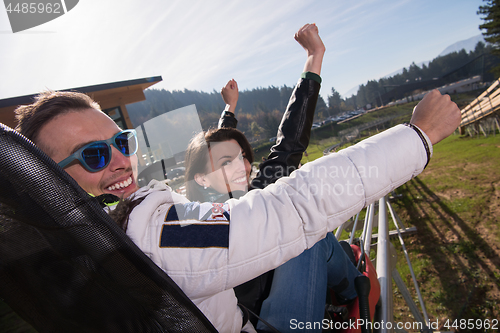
385,315
354,228
367,231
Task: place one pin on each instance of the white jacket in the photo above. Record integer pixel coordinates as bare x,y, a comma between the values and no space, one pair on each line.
206,255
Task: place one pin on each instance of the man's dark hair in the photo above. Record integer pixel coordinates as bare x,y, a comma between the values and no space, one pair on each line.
48,105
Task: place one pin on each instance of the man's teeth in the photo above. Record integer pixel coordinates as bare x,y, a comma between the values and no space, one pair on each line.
119,186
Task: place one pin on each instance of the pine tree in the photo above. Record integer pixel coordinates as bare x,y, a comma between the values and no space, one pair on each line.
334,101
491,27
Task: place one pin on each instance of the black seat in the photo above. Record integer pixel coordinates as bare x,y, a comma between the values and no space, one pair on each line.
65,266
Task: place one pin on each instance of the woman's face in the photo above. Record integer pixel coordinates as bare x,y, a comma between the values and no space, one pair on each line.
226,168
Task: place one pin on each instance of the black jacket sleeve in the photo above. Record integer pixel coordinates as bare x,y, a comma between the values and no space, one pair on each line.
293,136
227,119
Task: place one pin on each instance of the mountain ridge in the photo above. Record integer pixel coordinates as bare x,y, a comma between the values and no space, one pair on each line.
468,44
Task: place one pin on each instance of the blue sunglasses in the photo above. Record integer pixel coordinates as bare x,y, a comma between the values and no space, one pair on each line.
96,155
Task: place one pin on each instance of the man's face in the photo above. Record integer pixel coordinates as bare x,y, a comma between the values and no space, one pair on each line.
66,133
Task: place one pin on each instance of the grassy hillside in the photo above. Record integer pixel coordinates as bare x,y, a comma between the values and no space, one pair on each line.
455,205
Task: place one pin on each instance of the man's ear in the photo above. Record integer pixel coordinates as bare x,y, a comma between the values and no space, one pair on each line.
201,179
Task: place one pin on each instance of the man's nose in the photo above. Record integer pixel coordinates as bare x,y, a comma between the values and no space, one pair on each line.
118,160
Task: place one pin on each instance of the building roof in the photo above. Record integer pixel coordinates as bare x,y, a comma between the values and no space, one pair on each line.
108,95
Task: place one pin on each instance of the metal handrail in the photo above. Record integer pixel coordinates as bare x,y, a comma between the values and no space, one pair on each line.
384,266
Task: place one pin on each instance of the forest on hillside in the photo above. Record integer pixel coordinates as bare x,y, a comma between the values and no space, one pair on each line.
259,110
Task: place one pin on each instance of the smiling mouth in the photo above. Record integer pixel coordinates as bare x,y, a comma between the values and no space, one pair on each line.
121,185
241,180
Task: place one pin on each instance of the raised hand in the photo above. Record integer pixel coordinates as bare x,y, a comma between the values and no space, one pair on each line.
436,115
230,94
308,38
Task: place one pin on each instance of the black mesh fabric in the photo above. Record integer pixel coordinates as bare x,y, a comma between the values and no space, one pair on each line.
65,266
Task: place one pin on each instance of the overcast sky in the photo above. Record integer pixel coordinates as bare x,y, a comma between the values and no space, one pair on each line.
200,45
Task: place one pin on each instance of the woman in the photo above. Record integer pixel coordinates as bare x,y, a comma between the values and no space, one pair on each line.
218,168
